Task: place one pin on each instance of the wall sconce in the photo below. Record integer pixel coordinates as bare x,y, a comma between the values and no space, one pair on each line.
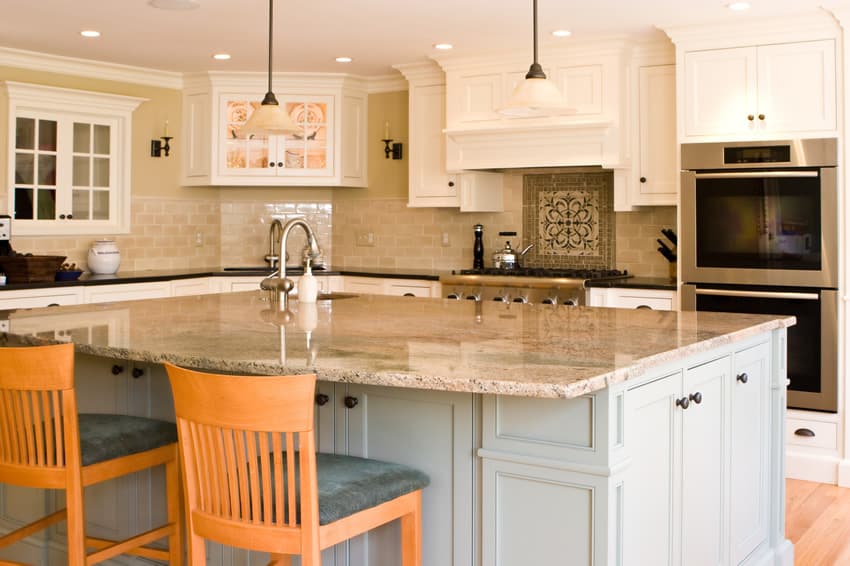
390,148
158,148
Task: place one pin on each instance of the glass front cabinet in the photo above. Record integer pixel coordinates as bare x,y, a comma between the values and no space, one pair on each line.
328,150
68,160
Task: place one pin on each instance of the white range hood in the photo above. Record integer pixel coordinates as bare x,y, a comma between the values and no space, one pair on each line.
542,145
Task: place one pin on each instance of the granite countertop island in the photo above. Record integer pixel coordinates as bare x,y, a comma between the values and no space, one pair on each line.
508,349
618,434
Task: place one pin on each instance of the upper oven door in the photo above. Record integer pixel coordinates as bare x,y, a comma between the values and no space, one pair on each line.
760,227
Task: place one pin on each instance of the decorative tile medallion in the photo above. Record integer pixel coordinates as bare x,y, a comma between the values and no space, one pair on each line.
570,216
568,223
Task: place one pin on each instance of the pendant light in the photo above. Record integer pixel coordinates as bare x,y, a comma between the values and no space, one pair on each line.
269,118
536,95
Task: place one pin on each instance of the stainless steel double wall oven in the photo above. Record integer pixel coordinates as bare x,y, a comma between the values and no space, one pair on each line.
759,234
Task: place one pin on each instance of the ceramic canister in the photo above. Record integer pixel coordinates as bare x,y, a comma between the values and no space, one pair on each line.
104,257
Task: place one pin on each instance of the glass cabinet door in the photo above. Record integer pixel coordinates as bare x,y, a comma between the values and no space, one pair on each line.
91,172
307,152
35,169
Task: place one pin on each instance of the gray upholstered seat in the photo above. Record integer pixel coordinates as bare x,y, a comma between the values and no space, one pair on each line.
105,437
348,484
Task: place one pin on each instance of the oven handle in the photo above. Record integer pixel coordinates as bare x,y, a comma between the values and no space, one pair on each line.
758,294
756,174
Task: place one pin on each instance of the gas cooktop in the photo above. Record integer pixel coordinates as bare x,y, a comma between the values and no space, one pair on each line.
558,273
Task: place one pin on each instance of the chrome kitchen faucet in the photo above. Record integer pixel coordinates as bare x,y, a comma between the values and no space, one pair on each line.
278,281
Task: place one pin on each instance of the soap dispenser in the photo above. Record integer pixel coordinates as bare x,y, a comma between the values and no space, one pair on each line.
308,287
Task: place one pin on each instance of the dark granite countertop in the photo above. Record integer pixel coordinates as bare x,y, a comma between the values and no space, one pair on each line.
148,276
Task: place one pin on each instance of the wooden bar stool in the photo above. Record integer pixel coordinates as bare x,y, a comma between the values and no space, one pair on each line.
253,478
45,443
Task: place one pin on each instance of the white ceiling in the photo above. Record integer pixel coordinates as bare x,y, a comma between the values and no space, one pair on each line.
309,34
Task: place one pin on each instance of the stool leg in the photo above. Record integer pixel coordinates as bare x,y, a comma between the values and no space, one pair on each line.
280,560
76,522
411,534
172,486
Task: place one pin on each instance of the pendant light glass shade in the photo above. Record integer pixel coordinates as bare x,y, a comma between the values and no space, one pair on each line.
269,119
536,95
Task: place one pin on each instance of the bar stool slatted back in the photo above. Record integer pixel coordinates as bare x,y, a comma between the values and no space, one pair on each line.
45,443
253,478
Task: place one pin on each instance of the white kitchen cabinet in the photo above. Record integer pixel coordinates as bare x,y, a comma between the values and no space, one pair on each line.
330,149
391,286
41,297
749,450
657,172
69,156
430,184
632,298
239,283
126,292
747,92
679,431
195,286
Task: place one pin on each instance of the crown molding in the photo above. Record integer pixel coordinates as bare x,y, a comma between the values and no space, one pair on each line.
385,83
89,68
807,26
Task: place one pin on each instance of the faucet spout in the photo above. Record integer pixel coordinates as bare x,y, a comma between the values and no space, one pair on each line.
273,258
282,284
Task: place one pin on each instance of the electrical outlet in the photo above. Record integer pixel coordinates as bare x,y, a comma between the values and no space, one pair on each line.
366,239
199,239
445,240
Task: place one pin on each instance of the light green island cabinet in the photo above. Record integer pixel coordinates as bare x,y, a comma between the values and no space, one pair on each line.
551,436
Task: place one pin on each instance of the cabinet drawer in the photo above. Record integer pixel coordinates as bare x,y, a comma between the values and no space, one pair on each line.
640,301
825,433
406,290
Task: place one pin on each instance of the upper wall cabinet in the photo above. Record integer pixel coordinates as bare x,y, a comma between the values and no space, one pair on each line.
430,184
758,90
68,160
329,149
763,79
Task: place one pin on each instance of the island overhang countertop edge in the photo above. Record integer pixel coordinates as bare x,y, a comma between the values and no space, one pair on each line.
545,351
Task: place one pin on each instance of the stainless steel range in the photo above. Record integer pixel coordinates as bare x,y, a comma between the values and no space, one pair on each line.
525,285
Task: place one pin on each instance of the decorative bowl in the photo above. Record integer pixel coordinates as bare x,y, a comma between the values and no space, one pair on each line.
68,275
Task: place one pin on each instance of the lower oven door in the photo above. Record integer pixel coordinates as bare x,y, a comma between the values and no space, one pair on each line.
812,342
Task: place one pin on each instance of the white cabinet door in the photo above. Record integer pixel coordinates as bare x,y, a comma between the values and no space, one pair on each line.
428,430
126,292
704,463
652,438
676,438
796,86
364,285
755,91
658,172
720,91
44,297
234,284
628,298
412,288
429,183
750,450
187,287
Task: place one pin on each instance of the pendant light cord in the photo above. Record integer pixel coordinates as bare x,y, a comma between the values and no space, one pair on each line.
270,97
535,71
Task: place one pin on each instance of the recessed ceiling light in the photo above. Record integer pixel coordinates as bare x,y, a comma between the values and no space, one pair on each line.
343,59
443,46
738,6
90,33
221,56
562,33
175,4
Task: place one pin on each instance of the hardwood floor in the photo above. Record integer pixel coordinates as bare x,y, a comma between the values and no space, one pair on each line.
817,521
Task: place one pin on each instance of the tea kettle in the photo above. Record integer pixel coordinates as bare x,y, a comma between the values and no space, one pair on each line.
508,258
